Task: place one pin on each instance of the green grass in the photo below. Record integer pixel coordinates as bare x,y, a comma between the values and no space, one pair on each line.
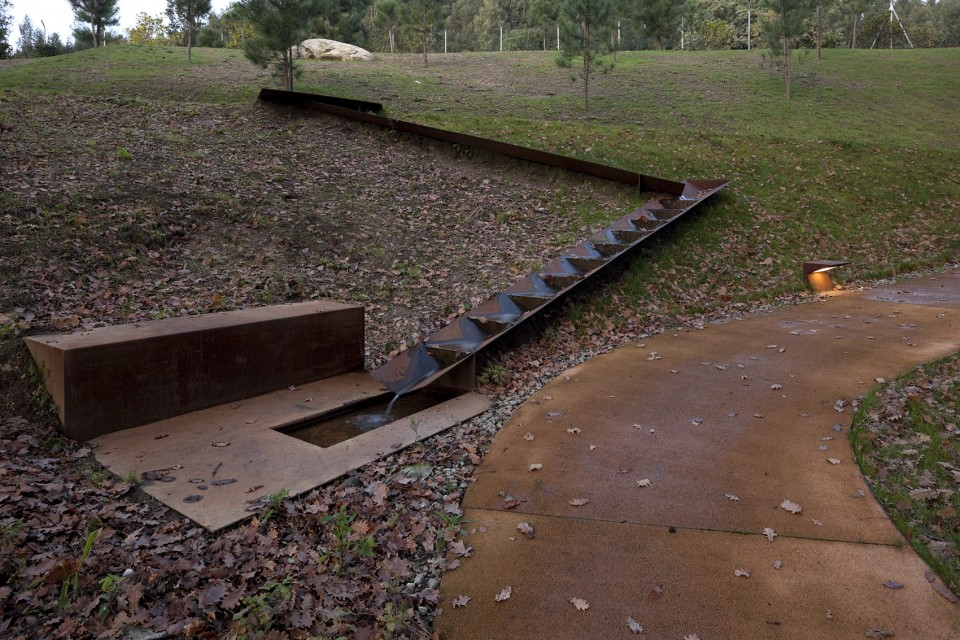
861,164
904,437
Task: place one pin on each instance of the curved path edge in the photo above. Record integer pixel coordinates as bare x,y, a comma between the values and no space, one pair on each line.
663,468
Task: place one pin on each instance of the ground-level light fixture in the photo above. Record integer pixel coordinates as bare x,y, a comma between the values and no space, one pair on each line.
817,273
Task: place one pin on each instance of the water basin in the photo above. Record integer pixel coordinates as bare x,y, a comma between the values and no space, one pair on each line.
332,429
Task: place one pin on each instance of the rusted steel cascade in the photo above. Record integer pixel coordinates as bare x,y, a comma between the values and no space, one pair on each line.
453,345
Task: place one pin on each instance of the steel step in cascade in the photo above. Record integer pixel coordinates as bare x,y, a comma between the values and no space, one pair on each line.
469,333
453,345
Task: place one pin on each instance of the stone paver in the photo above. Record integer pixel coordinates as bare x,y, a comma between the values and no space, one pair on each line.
749,409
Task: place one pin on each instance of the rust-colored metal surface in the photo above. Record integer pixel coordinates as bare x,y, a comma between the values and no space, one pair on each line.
119,377
454,344
480,326
326,104
298,99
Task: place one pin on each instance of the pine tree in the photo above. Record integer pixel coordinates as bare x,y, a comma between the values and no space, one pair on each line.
279,26
789,22
659,19
584,24
99,14
185,15
5,19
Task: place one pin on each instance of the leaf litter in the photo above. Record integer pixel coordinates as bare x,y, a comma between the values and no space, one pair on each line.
171,267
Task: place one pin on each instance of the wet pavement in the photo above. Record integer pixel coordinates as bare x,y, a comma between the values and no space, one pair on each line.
654,478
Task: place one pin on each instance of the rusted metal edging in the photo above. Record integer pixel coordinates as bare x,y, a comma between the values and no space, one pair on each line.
328,104
453,346
303,100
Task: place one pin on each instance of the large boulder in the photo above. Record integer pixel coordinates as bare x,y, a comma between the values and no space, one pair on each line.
321,49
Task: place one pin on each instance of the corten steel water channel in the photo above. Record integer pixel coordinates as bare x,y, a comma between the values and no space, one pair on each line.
454,344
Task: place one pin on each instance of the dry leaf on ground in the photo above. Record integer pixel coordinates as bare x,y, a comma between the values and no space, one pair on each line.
792,507
633,625
503,595
580,604
460,549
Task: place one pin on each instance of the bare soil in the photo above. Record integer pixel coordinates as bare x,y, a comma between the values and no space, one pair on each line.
118,210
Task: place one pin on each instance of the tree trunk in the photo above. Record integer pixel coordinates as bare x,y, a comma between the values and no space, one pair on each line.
423,38
586,66
288,69
819,30
786,63
190,44
854,45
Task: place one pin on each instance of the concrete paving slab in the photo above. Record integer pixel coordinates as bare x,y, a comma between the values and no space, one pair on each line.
725,424
822,590
937,291
718,425
232,455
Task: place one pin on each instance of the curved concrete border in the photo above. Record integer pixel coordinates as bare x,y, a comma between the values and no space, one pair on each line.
722,426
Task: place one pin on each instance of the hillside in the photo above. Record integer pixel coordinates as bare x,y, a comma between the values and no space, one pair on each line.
136,186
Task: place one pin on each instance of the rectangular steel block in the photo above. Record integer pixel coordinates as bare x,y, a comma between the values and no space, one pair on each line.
123,376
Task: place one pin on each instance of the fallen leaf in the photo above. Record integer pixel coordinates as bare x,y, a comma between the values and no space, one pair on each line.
656,592
503,595
460,549
741,573
819,523
776,387
879,633
778,564
579,502
460,601
792,507
193,498
161,436
221,444
580,604
592,447
526,528
223,481
833,460
691,636
574,430
537,466
528,437
893,584
829,614
770,533
731,497
555,414
633,625
644,483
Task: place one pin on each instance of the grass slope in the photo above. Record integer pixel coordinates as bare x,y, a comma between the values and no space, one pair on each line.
860,164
